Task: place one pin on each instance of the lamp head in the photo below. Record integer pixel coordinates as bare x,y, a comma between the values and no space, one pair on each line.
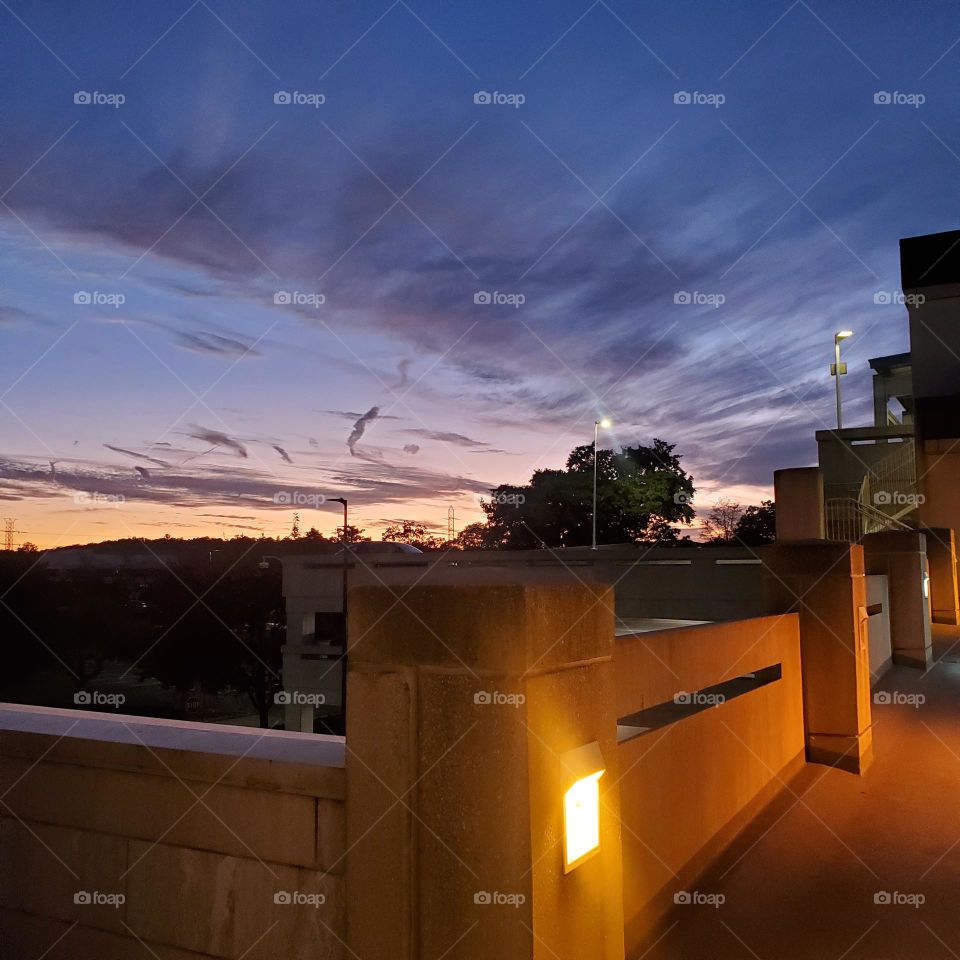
605,423
842,335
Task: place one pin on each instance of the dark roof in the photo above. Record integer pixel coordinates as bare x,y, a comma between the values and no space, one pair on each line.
931,260
886,364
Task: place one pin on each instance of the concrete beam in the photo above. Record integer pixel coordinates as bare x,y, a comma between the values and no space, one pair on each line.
799,497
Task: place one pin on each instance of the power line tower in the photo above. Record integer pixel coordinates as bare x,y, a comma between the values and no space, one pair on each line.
9,529
451,524
295,531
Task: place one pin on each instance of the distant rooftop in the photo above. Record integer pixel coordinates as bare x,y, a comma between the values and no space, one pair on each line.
930,261
886,364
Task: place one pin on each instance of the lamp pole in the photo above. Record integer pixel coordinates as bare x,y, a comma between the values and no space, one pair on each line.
343,652
597,424
838,370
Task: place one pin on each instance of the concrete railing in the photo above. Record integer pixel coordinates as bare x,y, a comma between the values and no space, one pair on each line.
122,837
718,741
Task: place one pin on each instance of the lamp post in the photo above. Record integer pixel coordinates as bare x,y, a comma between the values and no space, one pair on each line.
597,424
343,652
838,369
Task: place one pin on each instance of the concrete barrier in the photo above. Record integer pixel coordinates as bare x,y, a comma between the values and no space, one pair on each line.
124,837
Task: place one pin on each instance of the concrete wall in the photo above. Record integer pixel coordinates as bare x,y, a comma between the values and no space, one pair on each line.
878,626
715,583
199,828
683,784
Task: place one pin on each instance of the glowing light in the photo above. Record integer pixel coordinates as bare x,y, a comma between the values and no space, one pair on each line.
581,820
843,334
606,423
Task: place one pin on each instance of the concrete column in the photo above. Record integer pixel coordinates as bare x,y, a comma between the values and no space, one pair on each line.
799,497
461,700
825,584
902,556
942,564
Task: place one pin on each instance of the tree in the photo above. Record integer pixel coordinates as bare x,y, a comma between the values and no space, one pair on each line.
641,492
472,537
758,525
221,632
721,525
414,533
354,534
28,547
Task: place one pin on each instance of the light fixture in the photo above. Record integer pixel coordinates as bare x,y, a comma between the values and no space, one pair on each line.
838,369
926,586
582,770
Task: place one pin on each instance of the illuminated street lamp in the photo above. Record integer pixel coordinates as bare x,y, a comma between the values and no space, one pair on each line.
838,369
597,424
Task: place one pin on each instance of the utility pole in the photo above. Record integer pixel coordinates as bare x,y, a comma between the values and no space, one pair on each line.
451,525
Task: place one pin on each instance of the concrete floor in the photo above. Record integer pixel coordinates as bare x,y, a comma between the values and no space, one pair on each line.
801,880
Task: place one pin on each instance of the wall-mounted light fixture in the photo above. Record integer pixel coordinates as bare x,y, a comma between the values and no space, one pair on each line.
582,769
926,586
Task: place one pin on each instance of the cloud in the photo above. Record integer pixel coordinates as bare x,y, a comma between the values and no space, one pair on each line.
212,343
283,453
411,448
217,438
138,456
14,315
358,428
143,471
448,437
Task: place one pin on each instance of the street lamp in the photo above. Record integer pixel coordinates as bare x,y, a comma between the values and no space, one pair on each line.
597,424
838,369
343,604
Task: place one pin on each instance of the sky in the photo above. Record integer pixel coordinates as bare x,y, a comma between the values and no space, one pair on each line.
253,255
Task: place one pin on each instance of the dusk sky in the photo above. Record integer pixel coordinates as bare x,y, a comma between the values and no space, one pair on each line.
262,274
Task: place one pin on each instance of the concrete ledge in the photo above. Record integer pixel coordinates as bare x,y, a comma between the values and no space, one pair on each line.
238,756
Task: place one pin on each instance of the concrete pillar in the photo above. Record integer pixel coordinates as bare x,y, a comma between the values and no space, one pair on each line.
902,557
461,701
825,584
942,564
799,497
